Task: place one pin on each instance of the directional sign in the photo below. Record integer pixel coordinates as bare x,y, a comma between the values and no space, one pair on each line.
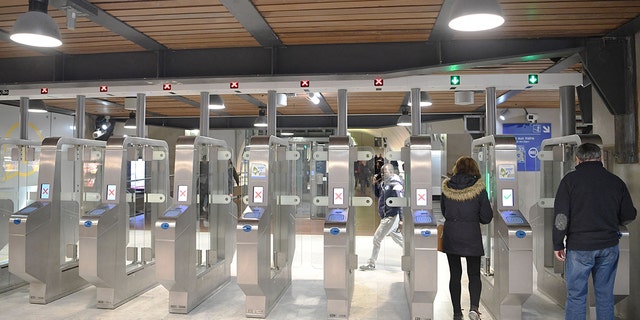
454,80
234,85
529,137
44,90
533,79
166,86
305,83
379,82
104,88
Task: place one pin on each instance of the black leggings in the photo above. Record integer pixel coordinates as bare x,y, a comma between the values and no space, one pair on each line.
475,285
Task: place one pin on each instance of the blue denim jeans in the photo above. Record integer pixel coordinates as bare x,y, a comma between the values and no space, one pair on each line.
601,265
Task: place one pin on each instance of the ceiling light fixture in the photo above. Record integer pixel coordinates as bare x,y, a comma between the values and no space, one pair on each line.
475,15
503,114
405,119
261,120
131,122
216,102
35,27
314,97
425,99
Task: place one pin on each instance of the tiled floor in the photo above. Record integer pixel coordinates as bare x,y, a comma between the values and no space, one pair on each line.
378,294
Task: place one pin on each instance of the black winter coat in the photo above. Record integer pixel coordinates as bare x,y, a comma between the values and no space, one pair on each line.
465,205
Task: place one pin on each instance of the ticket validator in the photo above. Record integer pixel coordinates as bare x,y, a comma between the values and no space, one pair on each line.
266,228
194,257
340,259
507,267
557,158
44,235
116,237
18,185
420,229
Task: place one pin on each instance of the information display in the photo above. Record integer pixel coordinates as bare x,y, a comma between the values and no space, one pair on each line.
175,211
513,218
507,197
422,217
45,190
337,215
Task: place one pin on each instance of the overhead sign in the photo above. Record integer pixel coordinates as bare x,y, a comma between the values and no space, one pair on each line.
379,82
529,137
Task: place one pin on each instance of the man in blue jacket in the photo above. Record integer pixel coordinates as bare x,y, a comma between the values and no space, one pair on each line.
590,205
390,217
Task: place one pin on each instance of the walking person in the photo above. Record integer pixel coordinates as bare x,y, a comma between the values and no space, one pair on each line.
389,185
590,205
465,205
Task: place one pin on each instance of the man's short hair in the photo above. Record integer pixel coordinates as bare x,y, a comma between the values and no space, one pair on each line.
588,152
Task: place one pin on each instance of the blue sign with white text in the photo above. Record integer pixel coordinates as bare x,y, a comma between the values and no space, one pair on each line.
529,137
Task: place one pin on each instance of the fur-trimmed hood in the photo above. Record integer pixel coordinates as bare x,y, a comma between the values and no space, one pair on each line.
462,187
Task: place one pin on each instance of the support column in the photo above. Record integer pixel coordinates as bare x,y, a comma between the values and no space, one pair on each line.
24,117
416,113
490,113
80,115
567,110
271,112
141,109
204,114
342,112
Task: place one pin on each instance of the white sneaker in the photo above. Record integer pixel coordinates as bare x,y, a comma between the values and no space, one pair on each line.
366,267
474,315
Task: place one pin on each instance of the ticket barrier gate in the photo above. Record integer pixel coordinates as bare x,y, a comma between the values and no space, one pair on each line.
420,229
194,262
43,236
18,182
557,158
507,274
340,259
116,238
266,228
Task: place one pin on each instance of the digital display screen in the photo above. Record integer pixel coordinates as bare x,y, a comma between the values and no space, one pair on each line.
32,207
255,213
421,197
111,192
337,215
101,209
338,196
258,194
45,190
507,197
182,193
422,216
175,211
513,217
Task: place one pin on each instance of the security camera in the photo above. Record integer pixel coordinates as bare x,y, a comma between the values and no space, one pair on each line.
532,117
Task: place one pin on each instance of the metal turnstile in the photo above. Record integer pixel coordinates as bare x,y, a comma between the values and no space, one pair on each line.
18,185
43,236
117,236
266,228
194,257
340,259
507,273
558,159
420,229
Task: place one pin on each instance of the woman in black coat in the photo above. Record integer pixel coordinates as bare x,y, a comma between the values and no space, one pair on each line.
465,205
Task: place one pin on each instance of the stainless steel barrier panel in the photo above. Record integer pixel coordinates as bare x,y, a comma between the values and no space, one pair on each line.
18,185
420,229
266,228
340,259
116,238
557,157
507,276
65,189
195,240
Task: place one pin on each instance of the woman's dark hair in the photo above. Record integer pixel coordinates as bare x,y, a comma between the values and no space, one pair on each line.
466,165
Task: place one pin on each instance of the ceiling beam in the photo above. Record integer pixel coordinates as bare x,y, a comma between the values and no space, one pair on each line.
108,21
389,59
249,17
